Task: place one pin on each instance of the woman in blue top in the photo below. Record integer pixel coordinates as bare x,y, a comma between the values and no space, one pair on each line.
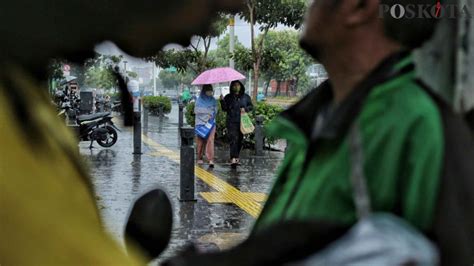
205,110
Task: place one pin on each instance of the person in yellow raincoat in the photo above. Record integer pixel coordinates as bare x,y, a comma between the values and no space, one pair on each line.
48,213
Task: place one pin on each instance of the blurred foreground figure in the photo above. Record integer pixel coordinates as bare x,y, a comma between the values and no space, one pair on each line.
48,212
417,154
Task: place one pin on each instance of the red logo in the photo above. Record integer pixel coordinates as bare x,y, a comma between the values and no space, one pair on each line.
438,9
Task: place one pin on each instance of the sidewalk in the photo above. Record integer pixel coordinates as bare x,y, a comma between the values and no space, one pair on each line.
227,200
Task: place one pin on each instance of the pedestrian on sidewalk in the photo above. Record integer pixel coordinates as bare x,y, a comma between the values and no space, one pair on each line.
185,96
206,110
234,104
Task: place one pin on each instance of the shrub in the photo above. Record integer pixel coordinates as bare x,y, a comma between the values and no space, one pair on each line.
153,103
268,111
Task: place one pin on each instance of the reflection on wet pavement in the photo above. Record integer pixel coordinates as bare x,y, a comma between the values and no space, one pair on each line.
212,222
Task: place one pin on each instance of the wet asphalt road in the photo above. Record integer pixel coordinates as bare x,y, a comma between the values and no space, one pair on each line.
119,177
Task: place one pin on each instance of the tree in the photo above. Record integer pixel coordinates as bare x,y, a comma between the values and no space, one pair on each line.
195,57
221,56
174,79
55,69
286,61
268,14
99,71
282,59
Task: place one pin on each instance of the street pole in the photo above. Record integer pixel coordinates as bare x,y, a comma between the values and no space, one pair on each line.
232,40
154,79
137,128
250,78
180,120
125,67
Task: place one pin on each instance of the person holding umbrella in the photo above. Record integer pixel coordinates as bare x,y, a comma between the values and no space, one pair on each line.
206,111
234,104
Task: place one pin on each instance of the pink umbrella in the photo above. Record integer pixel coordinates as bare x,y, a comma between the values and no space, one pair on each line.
218,75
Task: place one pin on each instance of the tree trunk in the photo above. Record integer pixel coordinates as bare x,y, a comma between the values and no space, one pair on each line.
256,74
266,87
277,92
296,86
251,7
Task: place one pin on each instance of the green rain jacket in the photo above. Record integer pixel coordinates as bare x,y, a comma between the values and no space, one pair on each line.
404,136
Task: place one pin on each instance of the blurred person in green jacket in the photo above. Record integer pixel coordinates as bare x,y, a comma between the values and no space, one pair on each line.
415,149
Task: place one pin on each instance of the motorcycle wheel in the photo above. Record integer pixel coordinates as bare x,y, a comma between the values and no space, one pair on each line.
111,138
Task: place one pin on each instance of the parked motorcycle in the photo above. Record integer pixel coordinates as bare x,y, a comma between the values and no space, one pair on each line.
117,107
96,127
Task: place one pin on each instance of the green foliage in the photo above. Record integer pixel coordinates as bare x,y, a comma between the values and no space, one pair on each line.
172,80
285,98
218,26
99,71
180,59
55,69
153,103
221,55
270,13
100,77
195,57
282,59
268,111
243,58
190,115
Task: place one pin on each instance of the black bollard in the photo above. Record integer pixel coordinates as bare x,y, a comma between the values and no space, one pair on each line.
137,131
187,164
181,121
161,111
146,112
259,135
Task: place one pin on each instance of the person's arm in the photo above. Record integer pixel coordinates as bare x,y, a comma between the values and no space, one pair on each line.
249,105
223,102
279,244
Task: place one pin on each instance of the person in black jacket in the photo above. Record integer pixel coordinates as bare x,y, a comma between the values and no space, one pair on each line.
235,103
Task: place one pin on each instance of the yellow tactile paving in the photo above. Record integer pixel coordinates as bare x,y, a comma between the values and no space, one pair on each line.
219,197
215,197
258,197
223,240
226,193
237,197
